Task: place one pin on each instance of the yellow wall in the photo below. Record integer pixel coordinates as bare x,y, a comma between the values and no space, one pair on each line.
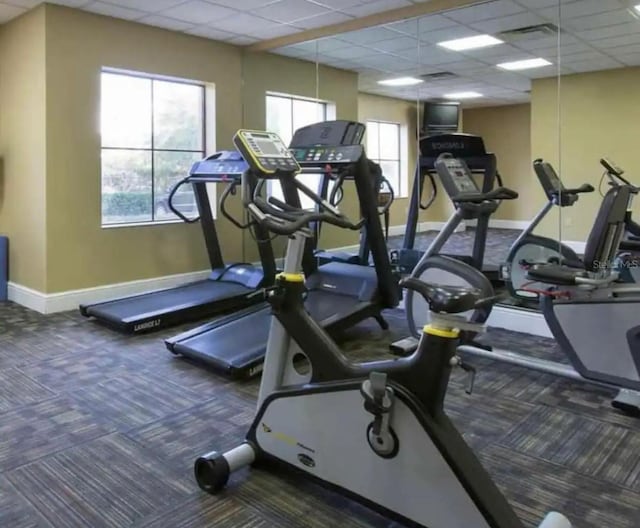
79,252
599,117
23,147
506,132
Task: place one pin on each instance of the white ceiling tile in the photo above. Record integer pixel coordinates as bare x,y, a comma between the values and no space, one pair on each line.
8,12
611,31
614,42
351,52
433,22
498,8
594,65
328,44
103,8
290,10
151,6
491,51
629,60
581,8
70,3
507,23
240,23
537,4
29,4
568,59
377,6
242,5
624,50
396,44
597,21
211,33
165,22
199,12
450,33
410,27
338,4
332,17
369,35
242,40
269,31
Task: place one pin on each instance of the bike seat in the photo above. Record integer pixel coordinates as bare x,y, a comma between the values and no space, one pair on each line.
555,274
444,299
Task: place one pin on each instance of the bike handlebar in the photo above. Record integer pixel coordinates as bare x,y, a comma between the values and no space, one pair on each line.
283,219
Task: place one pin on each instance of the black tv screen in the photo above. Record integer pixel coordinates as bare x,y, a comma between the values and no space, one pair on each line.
440,115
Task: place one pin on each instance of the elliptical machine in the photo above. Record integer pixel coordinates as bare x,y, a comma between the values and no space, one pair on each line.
376,431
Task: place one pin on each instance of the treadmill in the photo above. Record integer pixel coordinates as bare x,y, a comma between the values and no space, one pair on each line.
228,287
339,295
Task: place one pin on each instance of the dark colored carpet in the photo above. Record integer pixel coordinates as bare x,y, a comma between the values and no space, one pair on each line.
99,430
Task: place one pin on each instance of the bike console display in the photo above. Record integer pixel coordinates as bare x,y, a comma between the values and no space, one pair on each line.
456,177
321,156
222,166
265,152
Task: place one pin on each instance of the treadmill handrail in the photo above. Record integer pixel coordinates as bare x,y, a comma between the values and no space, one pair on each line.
172,193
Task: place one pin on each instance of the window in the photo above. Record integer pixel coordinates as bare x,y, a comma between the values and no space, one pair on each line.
285,115
383,147
152,132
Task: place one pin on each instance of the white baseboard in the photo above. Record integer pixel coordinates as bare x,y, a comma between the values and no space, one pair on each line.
70,300
523,321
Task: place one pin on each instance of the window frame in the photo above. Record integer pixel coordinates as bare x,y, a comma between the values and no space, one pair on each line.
326,110
152,78
402,191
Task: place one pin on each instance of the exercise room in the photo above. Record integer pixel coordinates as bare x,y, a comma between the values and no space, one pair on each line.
314,263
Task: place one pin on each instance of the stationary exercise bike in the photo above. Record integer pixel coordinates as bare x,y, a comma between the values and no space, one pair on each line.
592,316
529,249
376,431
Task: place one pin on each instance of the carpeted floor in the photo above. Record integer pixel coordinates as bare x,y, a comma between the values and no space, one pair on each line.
100,430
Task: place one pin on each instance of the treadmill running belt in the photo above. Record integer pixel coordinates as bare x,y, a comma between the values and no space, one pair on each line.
237,344
162,301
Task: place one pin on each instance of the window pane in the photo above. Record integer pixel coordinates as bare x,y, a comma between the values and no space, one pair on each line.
372,140
307,112
389,148
126,186
391,171
177,116
279,117
125,113
169,167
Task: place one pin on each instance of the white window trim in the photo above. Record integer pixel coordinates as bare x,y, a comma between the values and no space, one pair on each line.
403,146
329,114
209,146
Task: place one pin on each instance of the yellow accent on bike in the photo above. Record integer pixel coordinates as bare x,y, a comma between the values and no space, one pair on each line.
291,277
451,334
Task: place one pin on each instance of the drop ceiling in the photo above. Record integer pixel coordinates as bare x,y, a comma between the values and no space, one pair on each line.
595,35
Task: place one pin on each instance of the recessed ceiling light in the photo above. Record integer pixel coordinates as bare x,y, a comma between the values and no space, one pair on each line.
463,95
524,64
637,8
401,81
479,41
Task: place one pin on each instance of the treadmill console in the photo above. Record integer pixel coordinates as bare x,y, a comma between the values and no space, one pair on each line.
222,166
456,176
321,156
265,152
